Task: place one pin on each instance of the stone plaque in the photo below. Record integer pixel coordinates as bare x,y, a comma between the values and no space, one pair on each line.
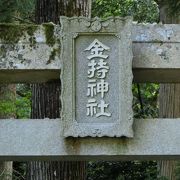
96,77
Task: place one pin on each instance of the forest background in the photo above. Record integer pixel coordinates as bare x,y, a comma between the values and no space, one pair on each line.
145,103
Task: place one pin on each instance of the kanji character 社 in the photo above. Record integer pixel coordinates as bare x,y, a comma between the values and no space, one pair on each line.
91,107
102,107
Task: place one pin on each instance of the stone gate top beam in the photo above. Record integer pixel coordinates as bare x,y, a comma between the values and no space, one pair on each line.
29,51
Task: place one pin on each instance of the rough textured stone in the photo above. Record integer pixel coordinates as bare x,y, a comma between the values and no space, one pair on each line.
43,140
35,50
157,33
155,50
116,119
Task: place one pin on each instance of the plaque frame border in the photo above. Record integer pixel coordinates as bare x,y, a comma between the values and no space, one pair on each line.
71,28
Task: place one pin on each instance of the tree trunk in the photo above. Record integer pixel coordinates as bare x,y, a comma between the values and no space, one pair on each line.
49,11
7,110
169,97
6,170
45,97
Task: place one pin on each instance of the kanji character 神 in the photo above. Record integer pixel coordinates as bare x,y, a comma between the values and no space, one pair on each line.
92,87
102,87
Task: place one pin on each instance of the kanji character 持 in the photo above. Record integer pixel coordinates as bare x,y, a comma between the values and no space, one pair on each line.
102,69
91,71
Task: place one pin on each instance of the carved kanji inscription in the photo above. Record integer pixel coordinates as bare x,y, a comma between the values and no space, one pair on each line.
97,77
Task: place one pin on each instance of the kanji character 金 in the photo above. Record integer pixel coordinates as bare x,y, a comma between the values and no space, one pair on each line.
97,48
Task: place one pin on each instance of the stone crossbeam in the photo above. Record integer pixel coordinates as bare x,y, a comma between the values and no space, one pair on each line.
29,52
32,54
43,140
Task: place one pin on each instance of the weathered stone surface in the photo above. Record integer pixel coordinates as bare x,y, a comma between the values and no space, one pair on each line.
35,47
155,49
156,33
97,77
156,55
43,140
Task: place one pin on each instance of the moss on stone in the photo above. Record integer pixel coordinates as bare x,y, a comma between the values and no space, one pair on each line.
31,29
11,33
32,41
157,41
53,54
49,33
2,50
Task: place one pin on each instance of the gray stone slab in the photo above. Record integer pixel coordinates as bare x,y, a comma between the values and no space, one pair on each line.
97,77
155,49
34,48
156,33
43,140
156,62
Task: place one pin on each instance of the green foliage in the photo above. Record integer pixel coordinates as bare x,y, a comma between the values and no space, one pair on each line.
19,170
21,107
11,32
131,170
145,100
25,9
49,32
7,105
11,10
7,9
5,175
173,5
23,101
142,11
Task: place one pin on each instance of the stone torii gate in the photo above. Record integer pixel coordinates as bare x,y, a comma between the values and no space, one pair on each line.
30,53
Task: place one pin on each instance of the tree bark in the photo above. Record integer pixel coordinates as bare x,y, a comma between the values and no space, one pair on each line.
45,97
7,97
169,97
6,170
49,11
